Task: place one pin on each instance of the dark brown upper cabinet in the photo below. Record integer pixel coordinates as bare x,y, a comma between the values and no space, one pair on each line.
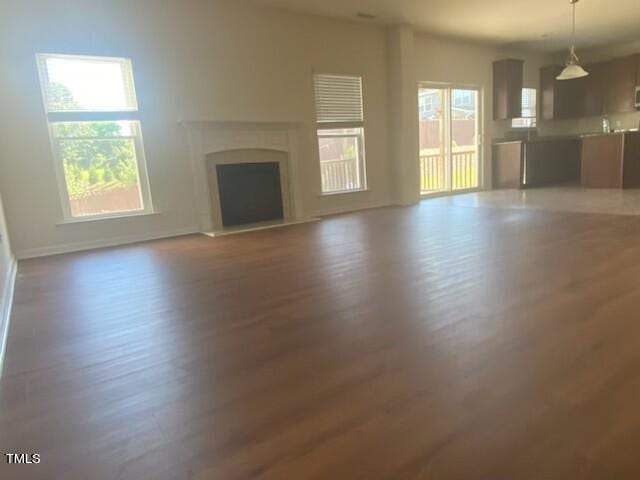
609,88
507,88
547,100
592,91
559,98
619,84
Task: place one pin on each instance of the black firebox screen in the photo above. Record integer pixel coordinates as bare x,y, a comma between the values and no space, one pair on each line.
249,192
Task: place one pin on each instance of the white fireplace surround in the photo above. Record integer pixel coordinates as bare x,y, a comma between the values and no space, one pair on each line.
208,137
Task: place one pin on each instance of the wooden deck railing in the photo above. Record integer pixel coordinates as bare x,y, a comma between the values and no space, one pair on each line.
464,170
339,175
432,173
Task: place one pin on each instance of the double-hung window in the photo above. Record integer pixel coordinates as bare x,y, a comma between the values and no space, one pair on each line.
340,126
528,119
94,126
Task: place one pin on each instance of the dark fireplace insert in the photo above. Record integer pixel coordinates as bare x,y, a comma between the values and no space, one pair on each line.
249,192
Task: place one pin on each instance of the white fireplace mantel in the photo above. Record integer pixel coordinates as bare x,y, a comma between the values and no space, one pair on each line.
207,137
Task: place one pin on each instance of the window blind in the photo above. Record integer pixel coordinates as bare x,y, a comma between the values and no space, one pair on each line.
338,99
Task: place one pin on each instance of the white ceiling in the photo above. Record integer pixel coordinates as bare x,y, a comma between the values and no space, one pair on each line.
537,24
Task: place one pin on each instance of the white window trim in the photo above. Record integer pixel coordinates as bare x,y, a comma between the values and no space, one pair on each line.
63,191
132,114
480,106
42,71
360,158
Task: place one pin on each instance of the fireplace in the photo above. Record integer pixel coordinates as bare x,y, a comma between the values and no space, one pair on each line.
213,144
249,186
249,193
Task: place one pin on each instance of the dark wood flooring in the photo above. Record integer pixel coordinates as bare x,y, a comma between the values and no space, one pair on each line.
431,342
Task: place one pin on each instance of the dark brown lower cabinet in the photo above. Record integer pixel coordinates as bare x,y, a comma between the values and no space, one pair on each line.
631,167
611,160
536,163
551,162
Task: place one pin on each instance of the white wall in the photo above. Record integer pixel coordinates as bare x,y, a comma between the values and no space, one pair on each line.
6,259
193,59
7,276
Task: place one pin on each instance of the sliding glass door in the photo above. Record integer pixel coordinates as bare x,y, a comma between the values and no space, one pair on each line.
449,139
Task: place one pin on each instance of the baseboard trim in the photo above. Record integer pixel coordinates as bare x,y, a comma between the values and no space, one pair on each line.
6,303
255,227
112,242
340,210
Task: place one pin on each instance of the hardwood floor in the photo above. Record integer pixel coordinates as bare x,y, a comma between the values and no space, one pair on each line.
430,342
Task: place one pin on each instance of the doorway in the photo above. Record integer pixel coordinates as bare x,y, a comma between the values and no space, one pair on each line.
449,139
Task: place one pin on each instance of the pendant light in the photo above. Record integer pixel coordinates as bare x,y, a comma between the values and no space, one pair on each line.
572,69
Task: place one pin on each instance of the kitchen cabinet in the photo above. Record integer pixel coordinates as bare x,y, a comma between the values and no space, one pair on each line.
536,163
551,162
609,88
559,98
602,161
611,160
548,96
507,164
507,88
591,91
631,159
619,84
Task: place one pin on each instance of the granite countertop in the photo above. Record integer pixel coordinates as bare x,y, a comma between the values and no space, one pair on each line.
551,138
507,142
547,138
605,134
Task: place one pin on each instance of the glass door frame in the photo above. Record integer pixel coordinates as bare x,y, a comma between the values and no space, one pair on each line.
448,88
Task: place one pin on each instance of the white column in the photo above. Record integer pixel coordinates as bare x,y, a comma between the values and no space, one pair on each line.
403,87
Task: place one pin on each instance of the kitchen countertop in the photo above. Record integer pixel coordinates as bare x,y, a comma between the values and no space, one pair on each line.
551,138
548,138
605,134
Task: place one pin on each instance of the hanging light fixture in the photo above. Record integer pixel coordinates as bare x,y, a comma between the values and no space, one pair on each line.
572,68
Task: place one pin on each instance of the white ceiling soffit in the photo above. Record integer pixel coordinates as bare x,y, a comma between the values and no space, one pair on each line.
543,25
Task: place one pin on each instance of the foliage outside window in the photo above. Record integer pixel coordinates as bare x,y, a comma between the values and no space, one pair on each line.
92,111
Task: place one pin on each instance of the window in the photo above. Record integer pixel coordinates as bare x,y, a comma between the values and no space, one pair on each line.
426,105
339,117
528,119
429,100
97,143
468,98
